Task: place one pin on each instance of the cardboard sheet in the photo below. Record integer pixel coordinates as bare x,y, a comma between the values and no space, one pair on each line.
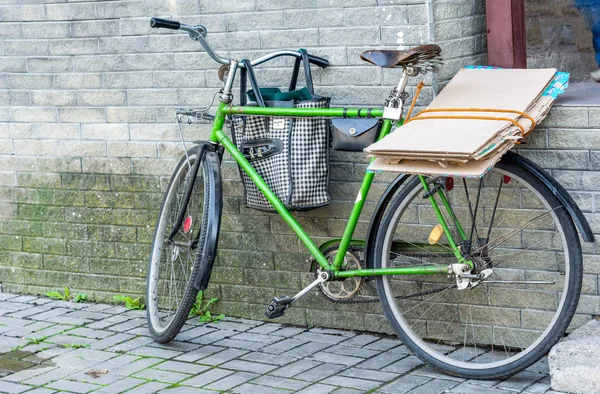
471,169
471,88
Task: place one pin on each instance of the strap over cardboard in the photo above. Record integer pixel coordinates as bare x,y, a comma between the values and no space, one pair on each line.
467,128
515,91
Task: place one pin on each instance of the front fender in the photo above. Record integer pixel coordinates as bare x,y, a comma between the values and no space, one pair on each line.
209,249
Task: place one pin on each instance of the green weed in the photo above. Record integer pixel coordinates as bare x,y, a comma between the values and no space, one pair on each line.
203,311
130,303
66,296
74,345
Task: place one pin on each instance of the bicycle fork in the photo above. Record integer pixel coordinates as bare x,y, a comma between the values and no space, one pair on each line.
189,186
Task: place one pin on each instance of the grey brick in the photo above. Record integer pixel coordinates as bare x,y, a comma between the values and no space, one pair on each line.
272,39
74,47
130,114
101,97
404,384
404,365
148,388
240,365
344,381
77,81
119,9
162,376
569,117
26,47
288,384
184,79
11,30
94,28
248,388
318,389
207,377
152,97
83,115
222,357
13,64
71,11
404,36
255,21
321,372
120,386
21,13
207,6
82,148
349,36
232,380
131,44
52,97
128,80
28,81
50,29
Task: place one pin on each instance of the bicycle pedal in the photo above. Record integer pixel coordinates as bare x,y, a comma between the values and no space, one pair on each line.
278,306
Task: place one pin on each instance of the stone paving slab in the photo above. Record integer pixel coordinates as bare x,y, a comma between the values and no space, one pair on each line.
100,348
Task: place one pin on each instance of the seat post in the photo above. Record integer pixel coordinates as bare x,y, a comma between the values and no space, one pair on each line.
403,80
395,101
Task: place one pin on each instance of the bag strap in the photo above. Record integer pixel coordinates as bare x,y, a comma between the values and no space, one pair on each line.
295,71
253,82
307,72
243,82
247,72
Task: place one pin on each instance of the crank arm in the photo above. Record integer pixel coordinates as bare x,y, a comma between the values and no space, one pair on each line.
278,306
323,277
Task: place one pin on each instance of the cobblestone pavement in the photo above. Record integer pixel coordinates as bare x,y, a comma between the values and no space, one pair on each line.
49,346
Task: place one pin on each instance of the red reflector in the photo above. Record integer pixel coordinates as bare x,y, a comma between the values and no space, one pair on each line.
187,224
449,183
506,179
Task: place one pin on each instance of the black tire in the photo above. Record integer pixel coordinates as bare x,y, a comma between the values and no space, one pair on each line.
174,268
464,332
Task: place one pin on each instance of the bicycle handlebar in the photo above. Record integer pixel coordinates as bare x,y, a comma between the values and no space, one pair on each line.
198,33
164,23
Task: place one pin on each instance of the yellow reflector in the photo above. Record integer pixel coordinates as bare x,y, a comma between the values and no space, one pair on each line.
435,234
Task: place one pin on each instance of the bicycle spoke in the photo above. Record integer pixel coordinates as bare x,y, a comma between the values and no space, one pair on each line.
496,321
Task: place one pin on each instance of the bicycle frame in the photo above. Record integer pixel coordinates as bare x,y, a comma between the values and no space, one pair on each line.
219,137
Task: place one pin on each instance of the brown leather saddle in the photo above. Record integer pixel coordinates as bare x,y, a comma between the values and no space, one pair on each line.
409,57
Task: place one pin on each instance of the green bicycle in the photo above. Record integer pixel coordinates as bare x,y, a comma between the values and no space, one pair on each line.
478,277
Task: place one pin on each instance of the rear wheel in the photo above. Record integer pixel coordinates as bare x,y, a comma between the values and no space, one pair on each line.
522,237
174,264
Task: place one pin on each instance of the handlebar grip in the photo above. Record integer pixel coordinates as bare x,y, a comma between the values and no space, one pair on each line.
167,24
319,61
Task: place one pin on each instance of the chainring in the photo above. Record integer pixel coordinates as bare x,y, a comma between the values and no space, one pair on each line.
342,290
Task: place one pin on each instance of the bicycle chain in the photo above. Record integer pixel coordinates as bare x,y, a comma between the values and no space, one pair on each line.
376,299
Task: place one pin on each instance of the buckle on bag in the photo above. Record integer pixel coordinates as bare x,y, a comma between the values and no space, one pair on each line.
261,148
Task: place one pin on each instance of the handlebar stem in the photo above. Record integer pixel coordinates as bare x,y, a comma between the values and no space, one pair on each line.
227,95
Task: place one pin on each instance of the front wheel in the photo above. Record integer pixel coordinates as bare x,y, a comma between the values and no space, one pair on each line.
176,264
523,239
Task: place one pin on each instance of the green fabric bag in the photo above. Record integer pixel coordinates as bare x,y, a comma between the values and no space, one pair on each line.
275,94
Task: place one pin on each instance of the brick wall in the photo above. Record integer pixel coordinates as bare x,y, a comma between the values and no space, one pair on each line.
87,138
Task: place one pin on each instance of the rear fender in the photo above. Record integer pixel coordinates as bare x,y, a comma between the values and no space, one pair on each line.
563,196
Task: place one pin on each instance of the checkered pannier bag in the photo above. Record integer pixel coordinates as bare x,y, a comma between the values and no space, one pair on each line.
290,154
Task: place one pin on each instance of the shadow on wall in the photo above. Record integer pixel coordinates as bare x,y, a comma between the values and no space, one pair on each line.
559,34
